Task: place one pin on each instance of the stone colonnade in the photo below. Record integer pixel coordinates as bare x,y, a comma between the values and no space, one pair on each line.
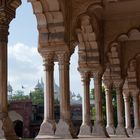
53,46
64,129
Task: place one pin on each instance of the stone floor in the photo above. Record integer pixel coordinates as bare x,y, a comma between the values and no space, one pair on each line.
99,139
93,138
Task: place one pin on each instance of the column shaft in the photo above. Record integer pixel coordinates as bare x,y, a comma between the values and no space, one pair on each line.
3,77
127,112
109,110
48,126
136,111
135,95
99,128
64,128
49,92
120,115
64,91
120,130
6,126
86,101
98,98
85,128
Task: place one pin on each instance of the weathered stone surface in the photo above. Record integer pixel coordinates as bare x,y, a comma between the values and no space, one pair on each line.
136,132
85,130
1,131
47,128
129,131
65,130
120,130
110,130
7,127
99,130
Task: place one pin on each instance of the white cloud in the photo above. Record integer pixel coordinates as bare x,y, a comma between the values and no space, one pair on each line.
25,68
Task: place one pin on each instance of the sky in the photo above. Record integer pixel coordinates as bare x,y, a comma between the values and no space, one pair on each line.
24,62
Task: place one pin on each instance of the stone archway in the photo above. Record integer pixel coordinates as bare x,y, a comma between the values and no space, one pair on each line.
18,127
55,22
17,120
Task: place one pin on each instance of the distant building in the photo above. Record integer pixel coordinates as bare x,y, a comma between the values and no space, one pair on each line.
40,85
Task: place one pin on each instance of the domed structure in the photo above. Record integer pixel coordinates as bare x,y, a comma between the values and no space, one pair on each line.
39,85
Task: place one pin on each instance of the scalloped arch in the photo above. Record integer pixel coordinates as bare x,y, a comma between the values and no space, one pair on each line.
133,34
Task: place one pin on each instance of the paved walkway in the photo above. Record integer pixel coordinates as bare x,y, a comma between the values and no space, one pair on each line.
91,138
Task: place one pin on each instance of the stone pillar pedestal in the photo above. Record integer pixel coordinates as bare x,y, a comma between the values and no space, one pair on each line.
64,128
136,131
99,128
127,112
48,126
6,126
109,108
120,130
85,128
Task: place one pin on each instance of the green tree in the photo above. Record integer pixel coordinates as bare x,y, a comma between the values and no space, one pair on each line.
19,95
37,97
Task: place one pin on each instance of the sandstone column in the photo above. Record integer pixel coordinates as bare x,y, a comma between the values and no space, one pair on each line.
135,95
6,126
109,107
64,128
48,126
85,128
99,128
120,130
126,98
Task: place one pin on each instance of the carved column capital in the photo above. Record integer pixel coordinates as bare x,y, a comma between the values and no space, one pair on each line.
4,33
97,77
48,60
107,84
63,57
126,95
118,83
135,93
85,76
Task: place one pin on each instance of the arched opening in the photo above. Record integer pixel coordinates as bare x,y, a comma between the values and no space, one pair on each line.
25,67
18,127
24,61
76,91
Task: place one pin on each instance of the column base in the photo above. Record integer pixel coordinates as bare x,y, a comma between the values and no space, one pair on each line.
99,130
1,131
65,129
47,129
120,130
110,130
6,128
136,132
129,131
85,130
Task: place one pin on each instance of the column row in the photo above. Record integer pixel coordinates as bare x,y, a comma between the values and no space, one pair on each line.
86,128
134,95
49,128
